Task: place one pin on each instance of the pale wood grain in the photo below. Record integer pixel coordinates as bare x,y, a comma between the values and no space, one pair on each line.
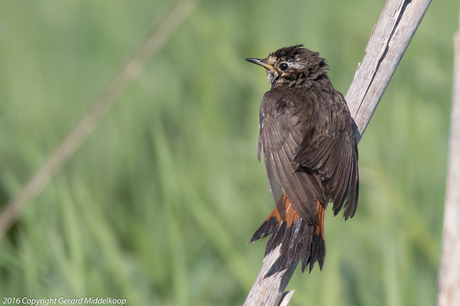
388,42
449,272
270,290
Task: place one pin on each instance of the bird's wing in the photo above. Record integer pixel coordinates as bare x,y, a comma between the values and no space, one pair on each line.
335,159
309,165
280,137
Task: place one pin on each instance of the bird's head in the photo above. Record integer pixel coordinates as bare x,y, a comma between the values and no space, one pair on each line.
291,66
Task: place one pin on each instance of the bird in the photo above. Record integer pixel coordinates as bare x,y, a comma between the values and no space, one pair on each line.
307,136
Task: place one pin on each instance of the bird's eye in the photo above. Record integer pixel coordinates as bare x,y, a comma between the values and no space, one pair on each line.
284,66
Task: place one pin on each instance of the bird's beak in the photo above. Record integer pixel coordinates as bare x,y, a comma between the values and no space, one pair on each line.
260,63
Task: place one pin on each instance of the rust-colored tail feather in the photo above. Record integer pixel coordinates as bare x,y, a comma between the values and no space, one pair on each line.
298,239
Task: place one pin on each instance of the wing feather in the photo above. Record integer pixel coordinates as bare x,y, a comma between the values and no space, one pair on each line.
335,160
308,162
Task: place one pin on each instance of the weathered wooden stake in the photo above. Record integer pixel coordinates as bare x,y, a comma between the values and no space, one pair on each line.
449,271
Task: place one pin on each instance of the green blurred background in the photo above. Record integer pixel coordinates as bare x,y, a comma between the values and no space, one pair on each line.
158,204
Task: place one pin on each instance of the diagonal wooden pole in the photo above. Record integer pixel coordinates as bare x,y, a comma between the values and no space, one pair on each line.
388,42
117,87
449,271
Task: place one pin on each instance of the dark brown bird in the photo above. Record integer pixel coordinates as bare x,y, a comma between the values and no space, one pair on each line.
310,154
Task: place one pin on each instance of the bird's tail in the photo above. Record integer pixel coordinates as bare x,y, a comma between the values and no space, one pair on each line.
298,239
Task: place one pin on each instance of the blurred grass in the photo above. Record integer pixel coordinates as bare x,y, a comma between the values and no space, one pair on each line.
158,204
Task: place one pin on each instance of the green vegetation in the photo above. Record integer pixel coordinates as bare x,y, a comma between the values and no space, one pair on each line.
158,204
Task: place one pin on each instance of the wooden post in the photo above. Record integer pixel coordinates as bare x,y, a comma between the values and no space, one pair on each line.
388,42
449,272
